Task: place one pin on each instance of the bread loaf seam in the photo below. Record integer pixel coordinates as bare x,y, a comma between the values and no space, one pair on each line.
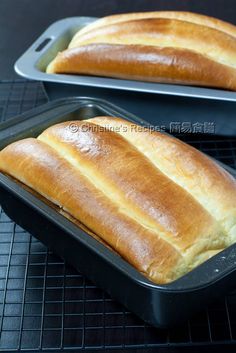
22,171
64,153
149,137
62,148
109,184
191,17
212,43
164,47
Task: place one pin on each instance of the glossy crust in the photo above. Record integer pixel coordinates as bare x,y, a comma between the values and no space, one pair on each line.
40,167
117,187
177,15
208,183
172,47
145,63
166,33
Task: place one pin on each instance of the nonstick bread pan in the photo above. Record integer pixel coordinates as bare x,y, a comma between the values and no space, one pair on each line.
159,305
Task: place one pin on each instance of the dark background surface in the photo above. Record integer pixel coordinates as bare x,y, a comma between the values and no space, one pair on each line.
22,21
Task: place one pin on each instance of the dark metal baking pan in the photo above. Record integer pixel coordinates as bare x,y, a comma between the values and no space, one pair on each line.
159,305
160,110
33,62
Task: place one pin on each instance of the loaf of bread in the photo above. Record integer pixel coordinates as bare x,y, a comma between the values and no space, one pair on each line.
171,47
162,205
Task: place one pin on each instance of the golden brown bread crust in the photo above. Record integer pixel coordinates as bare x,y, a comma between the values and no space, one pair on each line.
145,63
209,184
64,213
191,17
43,169
172,47
210,42
118,186
132,181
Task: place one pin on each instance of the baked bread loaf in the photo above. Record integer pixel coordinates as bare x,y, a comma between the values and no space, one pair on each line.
162,205
172,47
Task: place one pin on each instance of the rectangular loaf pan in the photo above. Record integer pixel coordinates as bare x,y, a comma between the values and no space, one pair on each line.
159,305
33,62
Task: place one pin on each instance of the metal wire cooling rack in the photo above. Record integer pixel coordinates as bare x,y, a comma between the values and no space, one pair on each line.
19,96
47,305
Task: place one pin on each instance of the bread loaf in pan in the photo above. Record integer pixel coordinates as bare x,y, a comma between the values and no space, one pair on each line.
162,205
172,47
